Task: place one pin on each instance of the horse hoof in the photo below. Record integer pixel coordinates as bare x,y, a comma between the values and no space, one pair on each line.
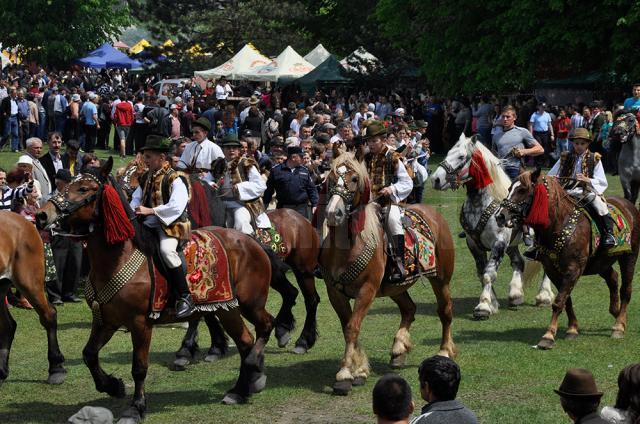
283,339
212,357
180,364
546,344
233,399
617,334
359,381
398,361
543,302
130,416
481,315
300,350
516,301
342,388
571,336
258,385
57,378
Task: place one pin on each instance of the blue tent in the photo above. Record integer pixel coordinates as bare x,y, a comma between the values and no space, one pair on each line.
106,56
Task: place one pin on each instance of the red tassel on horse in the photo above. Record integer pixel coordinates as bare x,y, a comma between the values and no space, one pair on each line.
117,227
478,171
539,212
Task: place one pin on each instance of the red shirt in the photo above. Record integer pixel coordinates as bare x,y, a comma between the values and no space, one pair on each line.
123,115
561,127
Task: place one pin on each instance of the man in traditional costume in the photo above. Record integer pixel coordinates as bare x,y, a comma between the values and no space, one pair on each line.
200,153
161,201
390,185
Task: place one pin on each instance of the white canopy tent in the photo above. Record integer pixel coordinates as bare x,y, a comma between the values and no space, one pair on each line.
361,61
245,61
288,65
317,55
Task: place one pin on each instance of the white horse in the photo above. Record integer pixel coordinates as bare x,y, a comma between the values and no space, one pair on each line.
487,184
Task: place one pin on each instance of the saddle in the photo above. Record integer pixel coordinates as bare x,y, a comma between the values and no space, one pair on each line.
621,232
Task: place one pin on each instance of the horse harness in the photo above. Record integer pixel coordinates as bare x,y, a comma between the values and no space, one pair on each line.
476,232
353,270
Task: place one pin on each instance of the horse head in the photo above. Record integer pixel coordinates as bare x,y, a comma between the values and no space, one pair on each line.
516,207
454,169
348,188
624,128
129,176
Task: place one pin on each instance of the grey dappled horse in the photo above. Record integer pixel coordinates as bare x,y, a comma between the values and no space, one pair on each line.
478,220
624,133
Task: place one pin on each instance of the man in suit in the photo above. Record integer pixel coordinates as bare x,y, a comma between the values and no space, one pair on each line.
34,151
10,122
54,160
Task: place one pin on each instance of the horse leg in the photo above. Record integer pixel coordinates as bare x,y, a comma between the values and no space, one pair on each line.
402,340
7,330
219,341
627,266
491,270
516,294
483,309
140,338
611,278
232,322
564,291
360,368
309,334
340,304
284,321
442,291
545,294
100,336
572,328
263,323
634,187
188,348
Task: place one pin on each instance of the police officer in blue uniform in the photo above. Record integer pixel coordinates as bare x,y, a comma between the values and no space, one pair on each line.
293,184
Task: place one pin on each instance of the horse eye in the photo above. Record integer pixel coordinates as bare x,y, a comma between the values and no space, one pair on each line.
354,179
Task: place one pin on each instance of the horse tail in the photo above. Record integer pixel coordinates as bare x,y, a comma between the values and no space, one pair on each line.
532,270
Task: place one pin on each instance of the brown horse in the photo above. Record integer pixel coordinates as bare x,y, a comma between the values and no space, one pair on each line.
82,212
564,241
341,255
22,264
302,247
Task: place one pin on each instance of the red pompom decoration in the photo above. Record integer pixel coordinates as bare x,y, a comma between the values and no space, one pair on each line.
478,171
117,227
539,213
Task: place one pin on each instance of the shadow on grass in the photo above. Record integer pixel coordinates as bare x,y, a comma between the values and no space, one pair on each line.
45,412
75,326
463,307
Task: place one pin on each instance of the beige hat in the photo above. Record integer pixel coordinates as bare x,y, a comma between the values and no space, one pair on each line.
25,159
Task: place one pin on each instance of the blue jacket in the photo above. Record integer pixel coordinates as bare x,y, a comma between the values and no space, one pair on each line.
293,186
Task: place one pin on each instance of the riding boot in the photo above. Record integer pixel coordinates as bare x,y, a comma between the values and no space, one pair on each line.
398,274
184,304
609,239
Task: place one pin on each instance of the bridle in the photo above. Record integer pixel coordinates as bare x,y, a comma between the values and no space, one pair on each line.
519,210
452,175
339,188
126,179
624,126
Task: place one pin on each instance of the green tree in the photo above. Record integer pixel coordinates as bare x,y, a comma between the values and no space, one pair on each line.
54,32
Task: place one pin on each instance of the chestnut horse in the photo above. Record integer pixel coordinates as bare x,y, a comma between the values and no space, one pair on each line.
565,253
302,248
22,264
340,256
84,211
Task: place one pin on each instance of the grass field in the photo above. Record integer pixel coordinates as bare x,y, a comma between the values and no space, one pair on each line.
504,380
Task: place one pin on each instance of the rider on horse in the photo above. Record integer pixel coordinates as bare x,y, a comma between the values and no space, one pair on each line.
582,175
161,199
242,188
390,185
198,155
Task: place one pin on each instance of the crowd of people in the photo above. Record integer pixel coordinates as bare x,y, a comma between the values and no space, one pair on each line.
439,380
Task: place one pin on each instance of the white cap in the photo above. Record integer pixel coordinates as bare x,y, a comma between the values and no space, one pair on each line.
292,141
400,111
25,159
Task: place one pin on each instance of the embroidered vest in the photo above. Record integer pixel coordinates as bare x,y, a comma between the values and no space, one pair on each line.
157,191
382,169
568,163
238,172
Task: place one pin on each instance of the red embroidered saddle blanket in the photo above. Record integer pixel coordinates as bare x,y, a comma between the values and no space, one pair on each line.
208,275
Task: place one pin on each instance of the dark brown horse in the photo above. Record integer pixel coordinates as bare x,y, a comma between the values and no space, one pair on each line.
82,212
565,252
302,247
22,264
347,276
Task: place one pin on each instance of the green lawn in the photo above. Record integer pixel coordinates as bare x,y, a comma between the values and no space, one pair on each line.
504,379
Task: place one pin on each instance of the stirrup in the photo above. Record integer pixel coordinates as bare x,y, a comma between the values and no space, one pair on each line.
531,254
184,307
609,240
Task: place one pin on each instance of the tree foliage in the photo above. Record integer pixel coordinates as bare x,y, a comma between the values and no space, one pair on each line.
54,32
467,46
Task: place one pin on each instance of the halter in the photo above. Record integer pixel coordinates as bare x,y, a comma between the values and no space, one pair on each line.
452,174
520,209
340,188
126,179
627,130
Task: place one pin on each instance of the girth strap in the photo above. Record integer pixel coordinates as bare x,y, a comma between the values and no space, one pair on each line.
113,286
487,213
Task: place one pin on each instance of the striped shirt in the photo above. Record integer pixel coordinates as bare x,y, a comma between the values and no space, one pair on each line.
11,194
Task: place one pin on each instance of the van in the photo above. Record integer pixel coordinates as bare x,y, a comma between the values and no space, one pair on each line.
167,89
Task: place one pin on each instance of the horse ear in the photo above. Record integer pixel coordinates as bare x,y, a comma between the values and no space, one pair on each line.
474,138
218,167
535,175
360,152
462,136
105,171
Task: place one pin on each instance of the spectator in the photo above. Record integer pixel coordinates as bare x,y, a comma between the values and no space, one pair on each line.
633,103
561,127
579,396
34,152
296,123
52,161
34,116
439,379
123,119
392,401
627,407
542,130
10,122
89,116
175,122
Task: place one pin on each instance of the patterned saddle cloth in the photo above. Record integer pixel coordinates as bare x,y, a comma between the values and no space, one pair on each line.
419,248
621,232
208,276
272,238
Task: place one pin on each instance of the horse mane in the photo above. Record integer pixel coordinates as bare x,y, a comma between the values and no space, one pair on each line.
499,188
349,160
371,231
